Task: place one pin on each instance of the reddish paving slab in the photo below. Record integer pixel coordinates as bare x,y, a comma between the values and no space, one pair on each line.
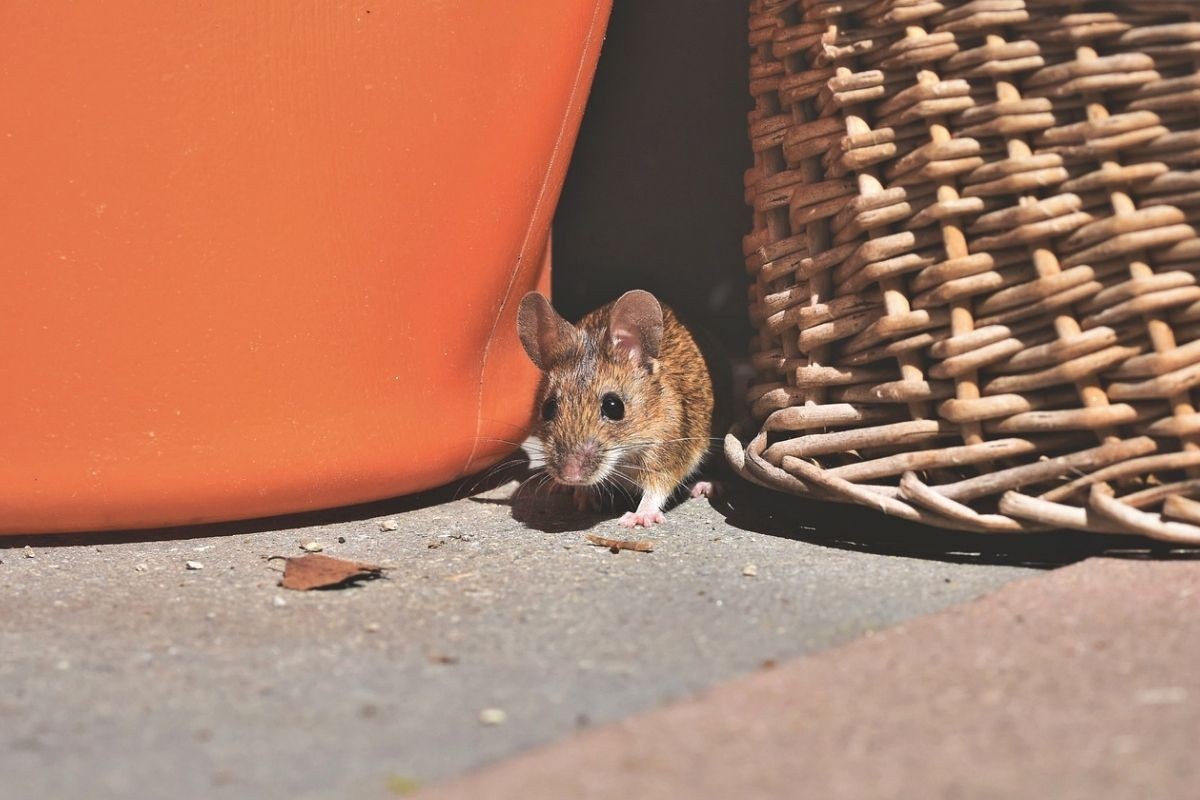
1081,683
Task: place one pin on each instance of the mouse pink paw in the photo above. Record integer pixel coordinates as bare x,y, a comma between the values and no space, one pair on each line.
706,489
634,519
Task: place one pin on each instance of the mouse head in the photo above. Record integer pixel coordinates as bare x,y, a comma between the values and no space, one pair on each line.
599,399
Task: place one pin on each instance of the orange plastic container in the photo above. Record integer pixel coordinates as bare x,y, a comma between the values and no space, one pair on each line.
259,258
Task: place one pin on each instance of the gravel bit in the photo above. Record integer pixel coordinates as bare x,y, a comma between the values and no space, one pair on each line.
193,565
493,716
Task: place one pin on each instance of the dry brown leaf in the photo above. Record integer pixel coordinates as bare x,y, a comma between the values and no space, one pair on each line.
638,545
323,572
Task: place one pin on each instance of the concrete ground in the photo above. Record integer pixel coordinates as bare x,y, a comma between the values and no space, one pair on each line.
1076,685
498,629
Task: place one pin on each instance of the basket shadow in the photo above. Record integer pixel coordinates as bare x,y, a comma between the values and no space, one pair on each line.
850,527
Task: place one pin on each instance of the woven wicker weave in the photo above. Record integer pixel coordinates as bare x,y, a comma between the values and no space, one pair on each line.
974,258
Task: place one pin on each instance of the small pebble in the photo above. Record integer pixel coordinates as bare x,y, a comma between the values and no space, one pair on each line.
750,570
389,525
493,716
278,601
402,785
193,565
140,567
312,547
372,627
1162,696
341,540
29,552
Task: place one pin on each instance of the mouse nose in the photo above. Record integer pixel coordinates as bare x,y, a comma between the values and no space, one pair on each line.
580,462
572,470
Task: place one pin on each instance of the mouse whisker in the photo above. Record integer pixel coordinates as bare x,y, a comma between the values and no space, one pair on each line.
611,485
547,484
494,440
530,443
505,423
618,476
488,474
537,479
633,447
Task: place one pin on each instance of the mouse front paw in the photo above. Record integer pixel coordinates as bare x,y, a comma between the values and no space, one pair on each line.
647,519
706,489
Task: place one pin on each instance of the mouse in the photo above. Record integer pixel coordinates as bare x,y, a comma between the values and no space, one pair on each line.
625,401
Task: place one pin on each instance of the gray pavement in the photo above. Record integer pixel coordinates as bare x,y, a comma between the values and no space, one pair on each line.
1078,684
125,674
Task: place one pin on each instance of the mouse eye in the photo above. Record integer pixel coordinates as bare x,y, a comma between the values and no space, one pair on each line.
611,407
549,408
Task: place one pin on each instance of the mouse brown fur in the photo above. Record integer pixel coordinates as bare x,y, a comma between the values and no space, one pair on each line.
626,399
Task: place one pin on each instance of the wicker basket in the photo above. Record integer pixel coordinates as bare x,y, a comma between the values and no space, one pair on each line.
974,258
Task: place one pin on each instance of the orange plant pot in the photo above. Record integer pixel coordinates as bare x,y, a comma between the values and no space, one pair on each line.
259,258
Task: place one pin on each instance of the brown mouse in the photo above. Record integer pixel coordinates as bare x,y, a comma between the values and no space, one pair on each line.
626,399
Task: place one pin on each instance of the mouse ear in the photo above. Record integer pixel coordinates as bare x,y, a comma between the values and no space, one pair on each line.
544,334
635,325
